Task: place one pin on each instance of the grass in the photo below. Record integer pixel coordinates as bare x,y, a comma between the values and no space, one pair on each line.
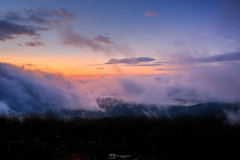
46,136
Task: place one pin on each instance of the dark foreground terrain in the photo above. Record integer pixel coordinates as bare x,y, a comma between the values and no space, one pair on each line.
37,136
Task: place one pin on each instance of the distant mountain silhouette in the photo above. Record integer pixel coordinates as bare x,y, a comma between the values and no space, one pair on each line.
114,107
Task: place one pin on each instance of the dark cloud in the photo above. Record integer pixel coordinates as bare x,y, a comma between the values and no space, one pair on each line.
153,64
48,16
9,30
103,39
30,21
35,44
150,13
219,58
215,58
130,60
41,16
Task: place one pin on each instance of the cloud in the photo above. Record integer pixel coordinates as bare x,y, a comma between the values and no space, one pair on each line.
229,19
99,68
35,44
130,60
219,58
103,39
71,38
30,64
233,117
162,69
30,21
231,40
150,13
77,40
177,69
227,57
178,43
35,91
153,64
9,30
41,16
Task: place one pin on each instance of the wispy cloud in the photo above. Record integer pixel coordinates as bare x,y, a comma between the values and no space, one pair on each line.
150,13
176,69
153,64
43,16
103,39
69,37
73,39
130,60
219,58
215,58
35,44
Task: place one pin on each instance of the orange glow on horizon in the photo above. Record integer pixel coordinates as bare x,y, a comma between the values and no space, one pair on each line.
70,69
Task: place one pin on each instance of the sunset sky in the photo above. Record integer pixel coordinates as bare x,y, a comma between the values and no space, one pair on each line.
110,37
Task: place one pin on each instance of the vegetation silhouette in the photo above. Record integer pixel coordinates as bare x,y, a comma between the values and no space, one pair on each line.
61,136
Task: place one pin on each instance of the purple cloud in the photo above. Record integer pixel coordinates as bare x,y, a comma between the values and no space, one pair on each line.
71,38
219,58
35,44
215,58
30,21
9,30
39,16
103,39
130,60
150,13
153,64
77,40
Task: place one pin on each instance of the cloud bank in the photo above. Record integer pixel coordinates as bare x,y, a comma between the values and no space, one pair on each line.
35,91
32,90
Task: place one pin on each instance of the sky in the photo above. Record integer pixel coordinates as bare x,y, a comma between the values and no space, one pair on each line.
68,54
112,37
